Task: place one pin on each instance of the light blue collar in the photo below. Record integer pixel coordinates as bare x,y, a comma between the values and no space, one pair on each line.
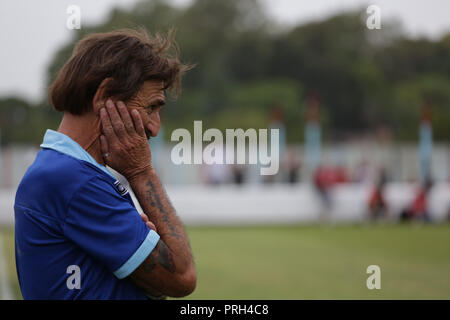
62,143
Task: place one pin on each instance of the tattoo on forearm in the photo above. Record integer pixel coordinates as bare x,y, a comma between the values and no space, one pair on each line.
153,196
162,256
149,264
165,257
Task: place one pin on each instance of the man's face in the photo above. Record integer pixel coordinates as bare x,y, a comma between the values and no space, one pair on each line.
148,102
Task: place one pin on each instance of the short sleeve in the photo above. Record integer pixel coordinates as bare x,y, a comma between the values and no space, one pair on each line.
108,227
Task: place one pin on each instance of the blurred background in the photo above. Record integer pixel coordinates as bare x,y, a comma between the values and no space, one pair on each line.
364,120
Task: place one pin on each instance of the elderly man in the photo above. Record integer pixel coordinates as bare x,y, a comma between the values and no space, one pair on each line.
78,233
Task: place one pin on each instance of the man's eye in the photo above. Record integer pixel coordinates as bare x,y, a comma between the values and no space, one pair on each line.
154,107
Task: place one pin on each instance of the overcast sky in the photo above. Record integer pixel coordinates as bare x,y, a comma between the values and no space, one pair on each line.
31,31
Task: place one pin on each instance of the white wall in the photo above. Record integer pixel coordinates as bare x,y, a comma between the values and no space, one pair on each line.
263,204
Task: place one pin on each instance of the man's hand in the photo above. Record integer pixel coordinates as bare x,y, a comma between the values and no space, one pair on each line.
124,144
148,222
169,269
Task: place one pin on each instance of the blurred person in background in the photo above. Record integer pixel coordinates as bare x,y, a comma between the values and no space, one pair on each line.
325,178
323,182
216,174
376,203
238,174
293,167
418,209
78,234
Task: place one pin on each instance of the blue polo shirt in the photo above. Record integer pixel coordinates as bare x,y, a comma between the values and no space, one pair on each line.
78,234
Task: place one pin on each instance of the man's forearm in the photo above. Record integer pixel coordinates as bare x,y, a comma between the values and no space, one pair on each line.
156,205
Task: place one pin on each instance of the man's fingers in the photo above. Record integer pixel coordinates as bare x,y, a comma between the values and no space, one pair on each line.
103,144
144,217
151,225
106,124
125,115
138,124
147,221
116,121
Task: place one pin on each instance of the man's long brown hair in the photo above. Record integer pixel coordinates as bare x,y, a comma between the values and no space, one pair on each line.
127,57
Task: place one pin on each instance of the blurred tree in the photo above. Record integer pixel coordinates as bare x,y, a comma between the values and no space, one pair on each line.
14,117
410,97
21,122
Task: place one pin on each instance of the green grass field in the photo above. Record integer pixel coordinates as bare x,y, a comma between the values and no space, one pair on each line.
313,262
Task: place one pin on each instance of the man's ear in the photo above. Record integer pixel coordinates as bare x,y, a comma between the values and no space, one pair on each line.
100,97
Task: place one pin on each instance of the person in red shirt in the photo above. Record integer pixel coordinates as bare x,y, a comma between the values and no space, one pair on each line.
418,209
